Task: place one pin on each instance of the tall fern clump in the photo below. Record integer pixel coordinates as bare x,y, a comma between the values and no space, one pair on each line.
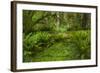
34,43
81,40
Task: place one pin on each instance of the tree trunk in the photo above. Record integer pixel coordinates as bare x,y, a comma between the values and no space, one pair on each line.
85,20
58,20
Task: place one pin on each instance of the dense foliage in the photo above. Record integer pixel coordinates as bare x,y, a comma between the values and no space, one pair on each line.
55,36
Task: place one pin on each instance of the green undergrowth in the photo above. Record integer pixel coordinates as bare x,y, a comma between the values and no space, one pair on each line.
53,46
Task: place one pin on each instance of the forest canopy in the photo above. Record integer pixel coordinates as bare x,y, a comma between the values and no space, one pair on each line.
56,36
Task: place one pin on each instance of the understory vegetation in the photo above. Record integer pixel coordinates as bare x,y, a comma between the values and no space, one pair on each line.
56,36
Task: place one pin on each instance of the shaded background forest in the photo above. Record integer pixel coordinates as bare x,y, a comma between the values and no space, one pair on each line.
56,36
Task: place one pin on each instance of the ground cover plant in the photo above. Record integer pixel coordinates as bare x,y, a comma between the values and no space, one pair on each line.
56,36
